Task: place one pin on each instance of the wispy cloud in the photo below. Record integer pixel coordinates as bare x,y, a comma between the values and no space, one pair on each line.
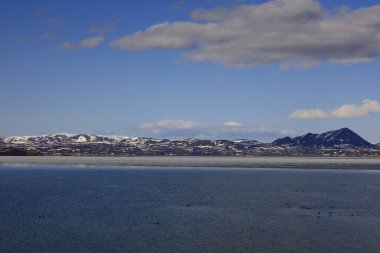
103,29
41,11
291,33
367,108
55,20
174,128
309,114
91,42
66,46
171,124
27,38
232,124
177,5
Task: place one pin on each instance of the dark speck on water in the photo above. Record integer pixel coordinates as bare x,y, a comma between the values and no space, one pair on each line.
62,209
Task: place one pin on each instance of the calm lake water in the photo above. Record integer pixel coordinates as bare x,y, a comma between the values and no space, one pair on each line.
73,209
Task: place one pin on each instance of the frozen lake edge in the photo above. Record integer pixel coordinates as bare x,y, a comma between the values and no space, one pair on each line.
196,161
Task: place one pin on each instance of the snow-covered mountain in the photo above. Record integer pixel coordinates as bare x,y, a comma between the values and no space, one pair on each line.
342,138
326,144
63,138
333,139
87,144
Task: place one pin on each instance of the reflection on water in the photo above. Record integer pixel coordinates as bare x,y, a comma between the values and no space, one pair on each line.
169,210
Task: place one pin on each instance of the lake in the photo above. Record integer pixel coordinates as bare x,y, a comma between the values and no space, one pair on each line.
155,209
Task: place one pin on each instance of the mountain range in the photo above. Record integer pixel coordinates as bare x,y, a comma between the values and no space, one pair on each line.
342,142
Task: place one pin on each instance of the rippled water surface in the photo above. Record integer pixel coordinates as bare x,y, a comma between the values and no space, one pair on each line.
63,209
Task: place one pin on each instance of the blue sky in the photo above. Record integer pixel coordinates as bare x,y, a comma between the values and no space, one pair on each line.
107,68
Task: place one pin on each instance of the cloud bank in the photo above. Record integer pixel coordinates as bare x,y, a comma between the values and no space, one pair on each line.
291,33
367,108
179,128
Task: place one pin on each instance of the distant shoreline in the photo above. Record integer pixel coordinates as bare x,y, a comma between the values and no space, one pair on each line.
191,161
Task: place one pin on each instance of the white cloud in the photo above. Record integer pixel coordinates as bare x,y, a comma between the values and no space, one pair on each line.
285,32
173,129
352,111
309,114
171,124
92,42
232,124
66,46
367,108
